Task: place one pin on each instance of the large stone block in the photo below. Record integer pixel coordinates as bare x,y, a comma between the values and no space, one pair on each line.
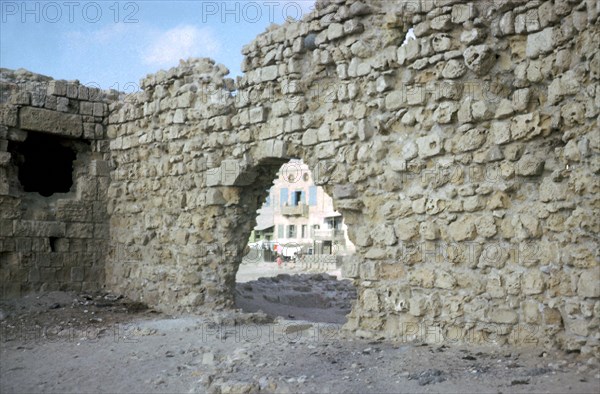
454,69
503,316
462,229
540,43
57,88
257,115
479,58
269,73
429,145
335,30
214,197
588,285
533,283
394,100
530,165
344,191
54,122
525,126
73,211
80,230
35,228
229,173
6,228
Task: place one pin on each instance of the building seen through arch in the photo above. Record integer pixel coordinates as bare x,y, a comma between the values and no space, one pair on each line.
298,219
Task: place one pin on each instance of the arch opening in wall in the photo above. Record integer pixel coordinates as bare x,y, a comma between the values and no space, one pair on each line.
291,264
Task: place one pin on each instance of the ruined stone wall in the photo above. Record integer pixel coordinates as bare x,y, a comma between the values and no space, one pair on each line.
168,230
465,163
58,241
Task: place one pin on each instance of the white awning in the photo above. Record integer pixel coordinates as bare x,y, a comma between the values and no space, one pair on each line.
263,227
333,215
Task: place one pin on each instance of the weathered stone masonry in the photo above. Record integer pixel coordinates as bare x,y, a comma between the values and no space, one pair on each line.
57,241
465,163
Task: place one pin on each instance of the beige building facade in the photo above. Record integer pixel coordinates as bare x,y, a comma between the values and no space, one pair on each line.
298,217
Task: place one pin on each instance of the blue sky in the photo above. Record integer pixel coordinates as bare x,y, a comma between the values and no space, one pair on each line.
113,44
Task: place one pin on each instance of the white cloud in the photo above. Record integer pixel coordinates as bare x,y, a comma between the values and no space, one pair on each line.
117,55
116,44
104,36
180,42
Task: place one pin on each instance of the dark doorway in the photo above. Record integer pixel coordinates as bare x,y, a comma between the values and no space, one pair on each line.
45,164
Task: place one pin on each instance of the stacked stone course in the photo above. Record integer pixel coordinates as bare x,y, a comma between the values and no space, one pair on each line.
57,242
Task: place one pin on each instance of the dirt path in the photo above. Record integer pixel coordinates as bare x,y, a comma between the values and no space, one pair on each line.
65,349
252,271
313,297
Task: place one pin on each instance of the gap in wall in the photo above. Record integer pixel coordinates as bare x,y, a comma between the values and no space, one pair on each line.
297,224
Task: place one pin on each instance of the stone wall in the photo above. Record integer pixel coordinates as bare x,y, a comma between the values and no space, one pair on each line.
465,163
51,240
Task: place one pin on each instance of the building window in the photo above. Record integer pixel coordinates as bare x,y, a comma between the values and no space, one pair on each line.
304,231
283,196
312,196
45,165
291,231
334,223
297,198
314,228
280,230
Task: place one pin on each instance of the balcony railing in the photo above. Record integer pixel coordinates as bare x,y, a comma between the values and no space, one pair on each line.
295,210
328,235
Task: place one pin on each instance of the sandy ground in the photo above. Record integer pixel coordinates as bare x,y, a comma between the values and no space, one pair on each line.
253,271
314,297
74,343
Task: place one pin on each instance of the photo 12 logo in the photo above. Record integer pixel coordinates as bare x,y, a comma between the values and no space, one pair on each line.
254,11
69,11
253,333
